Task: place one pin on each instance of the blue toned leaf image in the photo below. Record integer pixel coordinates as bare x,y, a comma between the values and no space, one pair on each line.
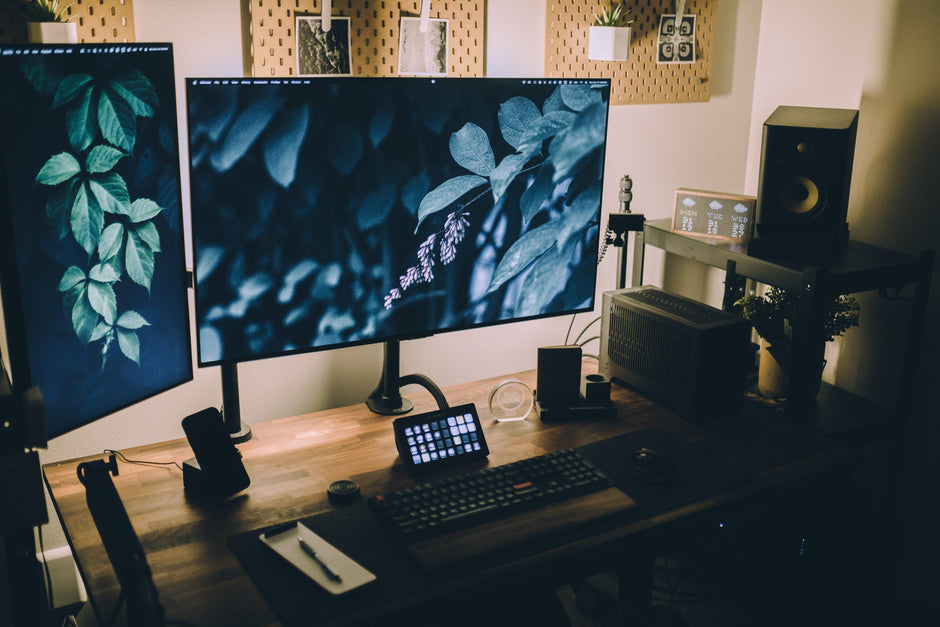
524,251
243,133
102,158
544,281
87,220
111,241
72,277
104,273
81,121
446,194
553,103
547,126
344,146
209,258
376,206
381,122
579,215
58,169
470,147
579,140
254,286
137,91
148,234
298,273
103,300
138,260
536,194
579,97
131,320
59,207
143,209
414,190
516,116
70,88
110,193
116,121
506,172
84,317
130,344
282,144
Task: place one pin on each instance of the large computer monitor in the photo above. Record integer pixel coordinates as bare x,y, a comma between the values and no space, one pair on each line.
329,212
92,269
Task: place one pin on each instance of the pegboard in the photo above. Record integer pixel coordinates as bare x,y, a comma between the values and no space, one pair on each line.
640,79
101,21
374,34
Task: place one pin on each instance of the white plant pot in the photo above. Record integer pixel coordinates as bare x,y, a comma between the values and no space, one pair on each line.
52,32
609,43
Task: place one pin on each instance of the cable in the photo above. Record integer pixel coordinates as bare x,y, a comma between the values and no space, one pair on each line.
589,340
584,330
570,325
45,566
139,461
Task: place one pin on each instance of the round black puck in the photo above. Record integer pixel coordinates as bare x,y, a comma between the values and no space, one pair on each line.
343,491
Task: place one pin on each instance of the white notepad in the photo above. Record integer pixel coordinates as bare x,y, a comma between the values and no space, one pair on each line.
287,544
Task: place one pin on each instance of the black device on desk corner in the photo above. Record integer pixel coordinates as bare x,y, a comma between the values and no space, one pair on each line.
562,393
217,470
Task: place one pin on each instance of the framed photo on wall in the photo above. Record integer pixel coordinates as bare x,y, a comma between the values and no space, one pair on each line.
423,54
320,52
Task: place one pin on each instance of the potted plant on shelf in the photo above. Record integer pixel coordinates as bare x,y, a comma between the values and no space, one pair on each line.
47,23
771,316
609,38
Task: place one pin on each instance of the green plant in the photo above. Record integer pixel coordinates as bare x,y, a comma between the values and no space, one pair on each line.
773,312
45,11
612,16
88,203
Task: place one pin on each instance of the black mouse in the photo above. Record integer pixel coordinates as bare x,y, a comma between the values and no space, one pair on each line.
652,466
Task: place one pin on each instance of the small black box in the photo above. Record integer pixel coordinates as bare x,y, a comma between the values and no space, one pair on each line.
559,374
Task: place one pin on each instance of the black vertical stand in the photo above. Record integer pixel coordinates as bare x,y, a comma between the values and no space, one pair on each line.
22,509
387,399
231,408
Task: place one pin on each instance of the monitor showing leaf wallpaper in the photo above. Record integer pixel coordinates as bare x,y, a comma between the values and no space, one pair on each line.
90,159
329,212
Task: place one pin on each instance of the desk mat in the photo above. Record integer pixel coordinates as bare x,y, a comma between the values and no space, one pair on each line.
354,530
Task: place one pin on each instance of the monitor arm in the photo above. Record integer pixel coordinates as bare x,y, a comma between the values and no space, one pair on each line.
387,398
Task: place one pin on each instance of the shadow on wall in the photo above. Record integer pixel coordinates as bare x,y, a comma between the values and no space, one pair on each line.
897,162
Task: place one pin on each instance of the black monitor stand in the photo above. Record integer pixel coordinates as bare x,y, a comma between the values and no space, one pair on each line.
387,398
231,410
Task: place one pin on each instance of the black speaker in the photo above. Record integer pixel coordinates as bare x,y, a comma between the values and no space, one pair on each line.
803,193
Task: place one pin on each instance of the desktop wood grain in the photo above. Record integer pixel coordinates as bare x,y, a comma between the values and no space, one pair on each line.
291,462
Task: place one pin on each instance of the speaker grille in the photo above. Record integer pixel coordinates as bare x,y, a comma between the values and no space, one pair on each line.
648,348
676,305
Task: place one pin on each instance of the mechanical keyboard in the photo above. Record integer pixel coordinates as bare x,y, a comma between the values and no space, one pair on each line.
455,518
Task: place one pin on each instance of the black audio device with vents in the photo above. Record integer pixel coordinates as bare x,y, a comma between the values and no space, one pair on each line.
690,356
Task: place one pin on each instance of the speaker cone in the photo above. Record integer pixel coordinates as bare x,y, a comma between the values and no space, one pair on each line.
799,195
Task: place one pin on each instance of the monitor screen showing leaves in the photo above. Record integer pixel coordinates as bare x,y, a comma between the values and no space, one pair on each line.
337,211
90,201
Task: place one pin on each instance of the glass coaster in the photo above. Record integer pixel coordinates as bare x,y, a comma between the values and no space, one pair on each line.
511,400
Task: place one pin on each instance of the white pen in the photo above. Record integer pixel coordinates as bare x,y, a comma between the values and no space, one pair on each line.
309,550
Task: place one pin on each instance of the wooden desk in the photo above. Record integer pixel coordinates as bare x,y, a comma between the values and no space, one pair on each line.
291,462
